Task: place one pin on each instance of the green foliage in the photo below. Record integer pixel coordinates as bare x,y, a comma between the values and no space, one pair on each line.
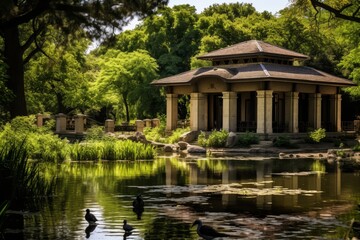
123,79
283,142
30,187
176,134
350,65
59,83
245,140
158,134
111,150
316,136
202,139
356,148
216,139
40,143
97,133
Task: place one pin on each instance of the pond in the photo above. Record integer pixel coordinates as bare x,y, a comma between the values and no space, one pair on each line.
246,199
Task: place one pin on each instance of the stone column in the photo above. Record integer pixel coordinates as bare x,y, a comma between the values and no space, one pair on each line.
60,123
79,123
335,111
139,125
147,123
315,110
229,111
109,125
39,120
155,122
264,111
198,112
292,111
171,111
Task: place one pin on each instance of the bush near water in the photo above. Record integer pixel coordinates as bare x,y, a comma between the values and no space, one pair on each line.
42,144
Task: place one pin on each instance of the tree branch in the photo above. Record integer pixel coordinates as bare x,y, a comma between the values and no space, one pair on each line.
32,37
336,12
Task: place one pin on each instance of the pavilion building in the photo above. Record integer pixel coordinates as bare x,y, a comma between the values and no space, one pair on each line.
255,86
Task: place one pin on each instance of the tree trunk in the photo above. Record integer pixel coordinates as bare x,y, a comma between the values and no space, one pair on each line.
126,108
60,106
14,59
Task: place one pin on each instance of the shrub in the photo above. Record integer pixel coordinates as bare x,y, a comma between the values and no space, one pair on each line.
40,142
215,139
202,139
176,134
245,140
97,133
356,148
316,136
283,141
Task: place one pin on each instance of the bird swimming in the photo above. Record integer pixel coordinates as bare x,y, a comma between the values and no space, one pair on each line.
89,217
207,232
127,227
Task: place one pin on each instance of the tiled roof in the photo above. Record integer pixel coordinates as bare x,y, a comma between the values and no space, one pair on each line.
257,71
252,48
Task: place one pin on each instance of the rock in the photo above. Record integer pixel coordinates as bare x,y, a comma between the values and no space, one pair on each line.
231,140
195,149
183,145
168,148
189,136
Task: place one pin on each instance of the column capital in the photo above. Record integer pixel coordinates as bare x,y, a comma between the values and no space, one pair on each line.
229,95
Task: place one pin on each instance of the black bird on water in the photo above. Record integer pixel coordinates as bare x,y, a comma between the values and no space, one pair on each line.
127,228
138,206
207,232
89,217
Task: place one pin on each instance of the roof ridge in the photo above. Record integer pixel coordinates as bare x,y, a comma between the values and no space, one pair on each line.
265,70
258,46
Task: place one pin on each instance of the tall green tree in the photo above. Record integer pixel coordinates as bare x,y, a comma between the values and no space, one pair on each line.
126,77
172,38
59,83
24,24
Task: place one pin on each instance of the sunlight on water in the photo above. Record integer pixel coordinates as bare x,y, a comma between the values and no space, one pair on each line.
269,199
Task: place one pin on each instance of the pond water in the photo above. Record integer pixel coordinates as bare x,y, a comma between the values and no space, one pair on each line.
246,199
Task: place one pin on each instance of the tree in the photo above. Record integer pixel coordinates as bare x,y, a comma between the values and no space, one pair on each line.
127,76
345,9
59,84
24,24
172,38
351,68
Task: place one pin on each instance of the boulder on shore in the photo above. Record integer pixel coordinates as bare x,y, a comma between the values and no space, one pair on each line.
195,149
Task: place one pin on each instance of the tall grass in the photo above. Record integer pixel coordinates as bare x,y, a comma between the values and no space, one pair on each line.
111,150
23,184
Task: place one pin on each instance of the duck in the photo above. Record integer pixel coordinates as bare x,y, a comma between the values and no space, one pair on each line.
207,232
127,228
89,217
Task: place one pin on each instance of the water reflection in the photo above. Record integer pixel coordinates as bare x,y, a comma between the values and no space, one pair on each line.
89,229
262,199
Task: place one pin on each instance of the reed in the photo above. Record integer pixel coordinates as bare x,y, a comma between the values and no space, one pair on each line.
86,151
111,150
23,184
